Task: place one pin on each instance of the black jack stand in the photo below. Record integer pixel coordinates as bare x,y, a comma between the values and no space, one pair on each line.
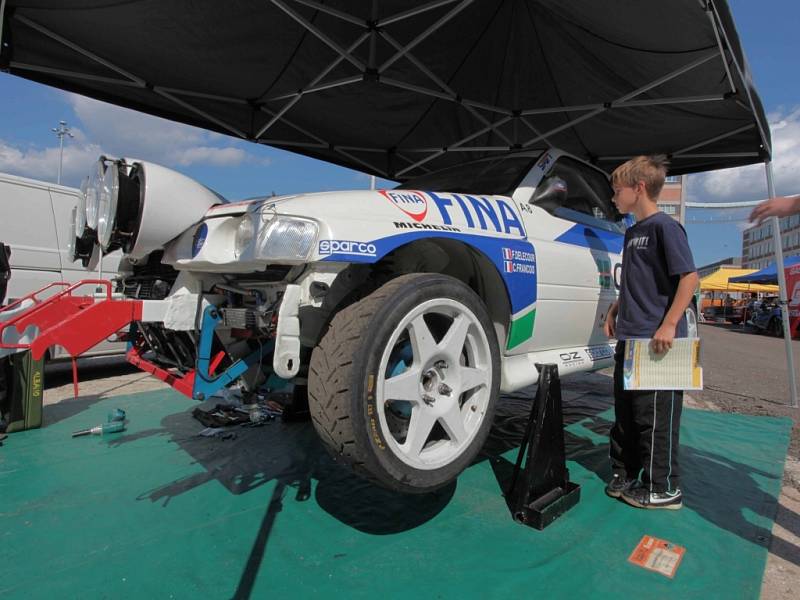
541,491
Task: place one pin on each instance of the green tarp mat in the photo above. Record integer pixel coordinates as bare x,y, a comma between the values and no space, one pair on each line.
158,512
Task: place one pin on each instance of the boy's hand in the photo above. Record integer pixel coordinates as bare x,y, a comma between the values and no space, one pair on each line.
662,340
610,326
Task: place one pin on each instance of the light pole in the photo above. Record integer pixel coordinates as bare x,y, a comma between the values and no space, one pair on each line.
61,131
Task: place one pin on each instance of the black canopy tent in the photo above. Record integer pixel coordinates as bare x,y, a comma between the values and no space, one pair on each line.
398,88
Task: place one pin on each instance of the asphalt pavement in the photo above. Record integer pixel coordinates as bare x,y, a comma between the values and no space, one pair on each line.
746,372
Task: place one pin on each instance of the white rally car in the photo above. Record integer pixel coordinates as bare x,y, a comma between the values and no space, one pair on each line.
403,312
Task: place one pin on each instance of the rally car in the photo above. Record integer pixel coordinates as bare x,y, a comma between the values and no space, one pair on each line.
403,312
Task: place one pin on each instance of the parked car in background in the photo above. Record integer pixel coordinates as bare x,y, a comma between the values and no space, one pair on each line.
735,312
767,317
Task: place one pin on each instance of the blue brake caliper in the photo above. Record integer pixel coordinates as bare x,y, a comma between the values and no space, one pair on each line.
401,357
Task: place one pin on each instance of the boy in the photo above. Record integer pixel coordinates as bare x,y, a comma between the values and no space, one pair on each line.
657,284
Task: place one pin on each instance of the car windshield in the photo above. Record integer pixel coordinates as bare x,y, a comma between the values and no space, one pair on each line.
490,176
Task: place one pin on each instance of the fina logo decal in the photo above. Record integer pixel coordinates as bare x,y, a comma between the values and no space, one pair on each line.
199,239
414,204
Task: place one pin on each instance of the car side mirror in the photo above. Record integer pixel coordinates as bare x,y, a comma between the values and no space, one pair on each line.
552,191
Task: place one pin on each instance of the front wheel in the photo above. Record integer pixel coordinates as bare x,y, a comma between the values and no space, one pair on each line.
404,383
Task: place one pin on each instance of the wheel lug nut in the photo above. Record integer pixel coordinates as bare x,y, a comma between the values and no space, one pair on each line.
445,389
440,364
429,400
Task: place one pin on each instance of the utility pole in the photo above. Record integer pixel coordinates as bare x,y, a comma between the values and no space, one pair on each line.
61,131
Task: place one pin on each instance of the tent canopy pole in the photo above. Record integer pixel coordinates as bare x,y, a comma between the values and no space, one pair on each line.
784,303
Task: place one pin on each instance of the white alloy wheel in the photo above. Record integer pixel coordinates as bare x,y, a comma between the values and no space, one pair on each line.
444,393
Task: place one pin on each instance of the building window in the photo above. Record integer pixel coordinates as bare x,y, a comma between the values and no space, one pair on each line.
669,209
672,179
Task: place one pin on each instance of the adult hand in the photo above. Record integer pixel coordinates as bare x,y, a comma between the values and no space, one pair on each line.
610,326
776,207
662,340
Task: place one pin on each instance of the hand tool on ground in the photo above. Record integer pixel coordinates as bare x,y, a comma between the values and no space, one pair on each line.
113,427
116,415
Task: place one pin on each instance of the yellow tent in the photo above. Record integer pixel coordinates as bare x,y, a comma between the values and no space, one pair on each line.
718,282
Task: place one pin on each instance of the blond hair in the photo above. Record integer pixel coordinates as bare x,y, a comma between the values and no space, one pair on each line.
652,170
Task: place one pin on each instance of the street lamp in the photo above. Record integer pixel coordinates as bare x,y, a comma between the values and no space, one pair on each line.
61,131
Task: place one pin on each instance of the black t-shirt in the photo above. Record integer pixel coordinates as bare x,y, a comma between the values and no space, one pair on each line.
656,253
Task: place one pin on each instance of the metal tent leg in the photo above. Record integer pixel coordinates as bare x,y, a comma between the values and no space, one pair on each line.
784,303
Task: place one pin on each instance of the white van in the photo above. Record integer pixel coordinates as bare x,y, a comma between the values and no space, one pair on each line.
35,221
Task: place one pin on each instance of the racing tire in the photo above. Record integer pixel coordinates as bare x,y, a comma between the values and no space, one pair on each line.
403,385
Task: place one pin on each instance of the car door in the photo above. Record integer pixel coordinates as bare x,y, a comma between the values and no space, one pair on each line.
573,226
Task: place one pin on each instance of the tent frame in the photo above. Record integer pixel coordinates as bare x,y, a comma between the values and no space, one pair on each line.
375,28
371,30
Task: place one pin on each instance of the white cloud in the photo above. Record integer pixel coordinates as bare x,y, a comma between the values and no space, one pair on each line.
220,157
124,132
749,183
107,129
43,163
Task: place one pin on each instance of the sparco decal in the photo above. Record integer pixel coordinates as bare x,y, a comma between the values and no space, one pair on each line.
347,247
414,204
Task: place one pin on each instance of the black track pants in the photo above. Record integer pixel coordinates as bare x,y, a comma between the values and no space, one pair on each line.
644,438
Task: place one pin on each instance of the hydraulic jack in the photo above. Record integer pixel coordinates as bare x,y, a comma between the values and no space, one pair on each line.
541,491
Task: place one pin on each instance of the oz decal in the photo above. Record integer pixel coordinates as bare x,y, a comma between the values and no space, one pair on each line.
570,359
414,204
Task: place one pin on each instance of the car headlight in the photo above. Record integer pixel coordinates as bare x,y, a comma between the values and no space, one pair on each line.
244,235
107,198
92,189
286,238
81,238
79,220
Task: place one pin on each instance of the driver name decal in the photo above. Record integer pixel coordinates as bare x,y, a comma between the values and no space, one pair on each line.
519,261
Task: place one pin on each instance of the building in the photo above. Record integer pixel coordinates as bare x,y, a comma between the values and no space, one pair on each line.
730,262
757,243
670,201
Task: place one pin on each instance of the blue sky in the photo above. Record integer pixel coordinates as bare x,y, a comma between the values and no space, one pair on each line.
769,34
